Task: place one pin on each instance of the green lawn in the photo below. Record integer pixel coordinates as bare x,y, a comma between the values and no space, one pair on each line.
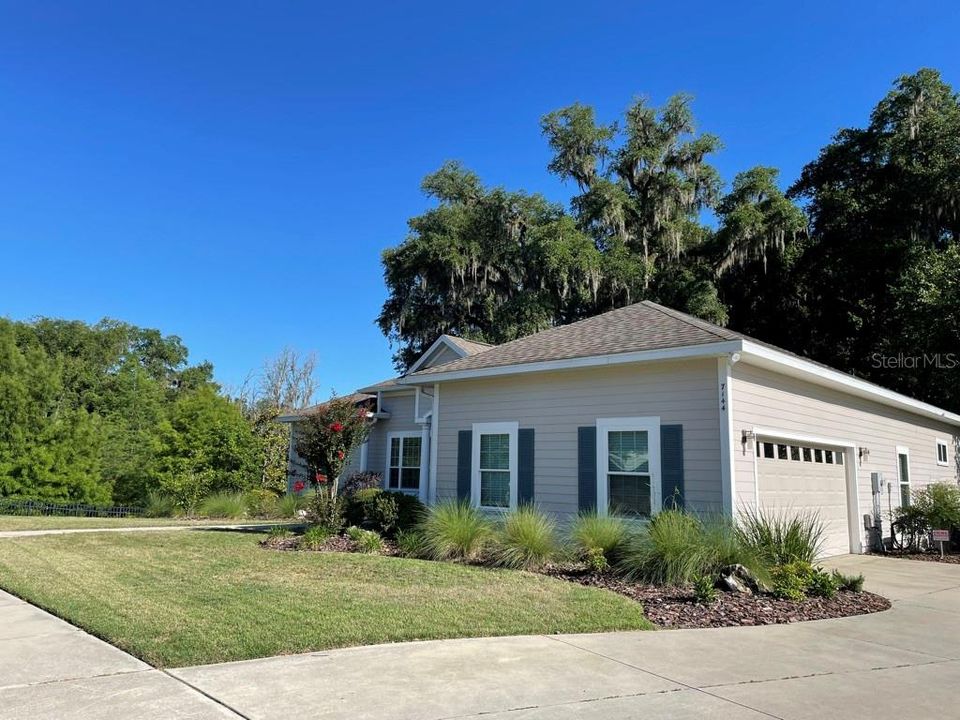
188,598
37,522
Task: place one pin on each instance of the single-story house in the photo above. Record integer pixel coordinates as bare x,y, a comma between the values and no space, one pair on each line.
644,407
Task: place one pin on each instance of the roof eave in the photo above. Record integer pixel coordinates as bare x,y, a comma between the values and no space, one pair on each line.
675,353
791,365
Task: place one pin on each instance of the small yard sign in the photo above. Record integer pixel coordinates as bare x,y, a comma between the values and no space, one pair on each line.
941,536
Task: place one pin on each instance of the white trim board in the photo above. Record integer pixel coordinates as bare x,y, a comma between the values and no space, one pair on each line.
677,353
439,343
494,428
752,353
650,425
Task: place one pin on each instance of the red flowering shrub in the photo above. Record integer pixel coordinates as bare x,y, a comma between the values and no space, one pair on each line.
327,436
298,486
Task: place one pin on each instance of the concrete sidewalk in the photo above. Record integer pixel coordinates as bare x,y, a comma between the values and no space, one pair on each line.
51,670
146,528
896,664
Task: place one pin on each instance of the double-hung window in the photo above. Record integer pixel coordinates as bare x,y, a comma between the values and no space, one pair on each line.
494,480
403,461
942,452
628,466
903,475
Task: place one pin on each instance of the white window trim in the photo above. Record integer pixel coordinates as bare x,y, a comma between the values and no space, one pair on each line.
494,428
386,473
651,425
901,450
946,452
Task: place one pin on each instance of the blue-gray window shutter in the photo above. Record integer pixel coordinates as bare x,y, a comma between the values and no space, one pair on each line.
671,465
525,466
587,467
464,462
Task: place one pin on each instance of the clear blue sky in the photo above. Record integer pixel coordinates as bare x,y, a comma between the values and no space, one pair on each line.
230,172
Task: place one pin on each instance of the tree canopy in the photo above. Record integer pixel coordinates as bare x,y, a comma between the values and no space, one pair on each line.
858,260
110,412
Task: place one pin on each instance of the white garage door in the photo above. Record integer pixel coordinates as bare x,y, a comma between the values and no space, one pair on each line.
806,478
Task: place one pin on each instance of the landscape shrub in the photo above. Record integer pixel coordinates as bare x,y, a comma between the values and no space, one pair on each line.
384,511
278,531
367,541
361,481
705,591
781,537
822,584
799,579
590,532
939,505
677,547
223,505
596,560
326,511
455,530
260,503
527,539
159,505
790,580
849,583
314,537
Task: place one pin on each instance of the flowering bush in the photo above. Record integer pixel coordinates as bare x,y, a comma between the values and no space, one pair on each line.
327,436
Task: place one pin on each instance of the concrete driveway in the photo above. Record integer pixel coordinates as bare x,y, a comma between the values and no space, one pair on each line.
901,663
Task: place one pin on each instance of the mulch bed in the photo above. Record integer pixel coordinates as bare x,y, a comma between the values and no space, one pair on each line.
673,607
670,607
336,543
934,556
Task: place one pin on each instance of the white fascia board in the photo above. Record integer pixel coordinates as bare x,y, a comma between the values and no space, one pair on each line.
677,353
441,341
794,366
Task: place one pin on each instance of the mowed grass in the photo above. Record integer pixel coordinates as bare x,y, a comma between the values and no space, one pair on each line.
46,522
196,597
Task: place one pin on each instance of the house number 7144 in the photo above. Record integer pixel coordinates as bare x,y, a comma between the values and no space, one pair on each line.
723,397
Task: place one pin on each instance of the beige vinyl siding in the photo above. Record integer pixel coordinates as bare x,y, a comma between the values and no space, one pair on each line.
555,404
400,405
766,399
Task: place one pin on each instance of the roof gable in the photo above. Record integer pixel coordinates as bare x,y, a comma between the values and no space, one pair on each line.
445,350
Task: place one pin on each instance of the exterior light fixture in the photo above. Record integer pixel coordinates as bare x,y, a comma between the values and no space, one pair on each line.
747,436
864,454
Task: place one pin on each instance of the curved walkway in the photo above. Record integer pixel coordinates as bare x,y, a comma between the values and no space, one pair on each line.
896,664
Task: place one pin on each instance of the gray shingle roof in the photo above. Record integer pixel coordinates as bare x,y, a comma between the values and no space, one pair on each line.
634,328
470,347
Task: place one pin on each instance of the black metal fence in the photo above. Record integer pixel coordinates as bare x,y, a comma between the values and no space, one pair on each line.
38,507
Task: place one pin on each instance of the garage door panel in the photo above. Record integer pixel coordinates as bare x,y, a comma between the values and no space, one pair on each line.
794,486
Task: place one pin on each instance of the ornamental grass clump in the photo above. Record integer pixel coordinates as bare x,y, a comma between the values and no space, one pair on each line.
782,537
591,534
314,537
678,548
527,539
455,530
223,505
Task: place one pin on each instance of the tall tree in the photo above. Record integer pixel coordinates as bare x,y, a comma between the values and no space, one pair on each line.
642,186
879,198
285,383
485,264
